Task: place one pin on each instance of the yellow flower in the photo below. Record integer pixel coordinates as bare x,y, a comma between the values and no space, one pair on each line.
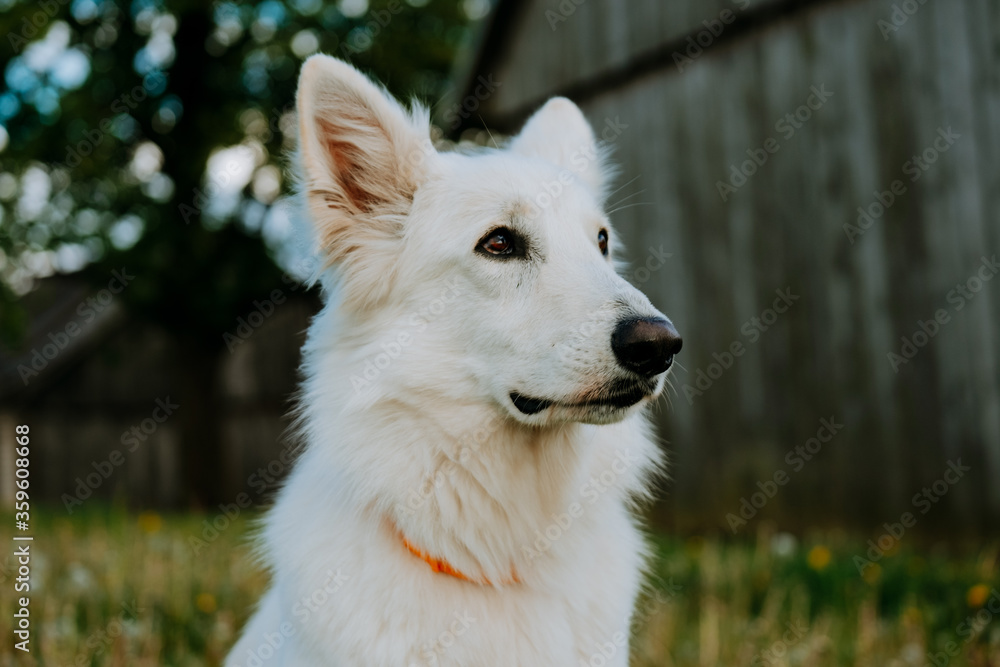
694,546
912,616
894,549
150,522
819,557
873,573
205,602
977,595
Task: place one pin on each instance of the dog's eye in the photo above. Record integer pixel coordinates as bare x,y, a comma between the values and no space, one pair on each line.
500,241
602,241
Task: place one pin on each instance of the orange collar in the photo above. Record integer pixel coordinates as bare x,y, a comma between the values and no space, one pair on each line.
444,567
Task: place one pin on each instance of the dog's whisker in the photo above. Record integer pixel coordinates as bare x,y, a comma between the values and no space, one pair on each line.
627,197
622,208
624,185
492,138
670,386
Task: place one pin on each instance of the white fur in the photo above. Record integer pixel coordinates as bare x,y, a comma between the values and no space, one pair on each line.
406,415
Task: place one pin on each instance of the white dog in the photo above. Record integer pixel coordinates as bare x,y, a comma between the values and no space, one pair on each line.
473,401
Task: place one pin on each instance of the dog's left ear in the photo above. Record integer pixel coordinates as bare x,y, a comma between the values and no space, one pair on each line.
363,157
560,134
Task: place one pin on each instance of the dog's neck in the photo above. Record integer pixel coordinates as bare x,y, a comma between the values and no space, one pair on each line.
468,483
485,491
495,502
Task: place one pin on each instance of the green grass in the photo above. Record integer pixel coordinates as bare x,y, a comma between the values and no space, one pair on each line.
112,588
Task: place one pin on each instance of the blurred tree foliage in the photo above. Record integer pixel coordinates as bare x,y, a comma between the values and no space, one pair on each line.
110,114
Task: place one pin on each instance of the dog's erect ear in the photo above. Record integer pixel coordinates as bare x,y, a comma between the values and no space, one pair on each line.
362,157
559,133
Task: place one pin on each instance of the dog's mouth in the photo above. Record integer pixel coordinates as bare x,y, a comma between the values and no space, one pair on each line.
529,406
619,397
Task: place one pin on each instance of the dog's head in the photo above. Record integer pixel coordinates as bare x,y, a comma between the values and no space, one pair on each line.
476,277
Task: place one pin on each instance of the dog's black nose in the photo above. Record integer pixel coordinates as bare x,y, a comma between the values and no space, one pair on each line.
646,346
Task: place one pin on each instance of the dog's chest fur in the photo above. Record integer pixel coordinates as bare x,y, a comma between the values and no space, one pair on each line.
547,507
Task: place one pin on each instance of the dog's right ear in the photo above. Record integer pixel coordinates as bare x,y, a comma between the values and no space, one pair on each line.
561,134
362,158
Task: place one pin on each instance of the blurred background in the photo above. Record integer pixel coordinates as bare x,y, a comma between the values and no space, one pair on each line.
809,189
